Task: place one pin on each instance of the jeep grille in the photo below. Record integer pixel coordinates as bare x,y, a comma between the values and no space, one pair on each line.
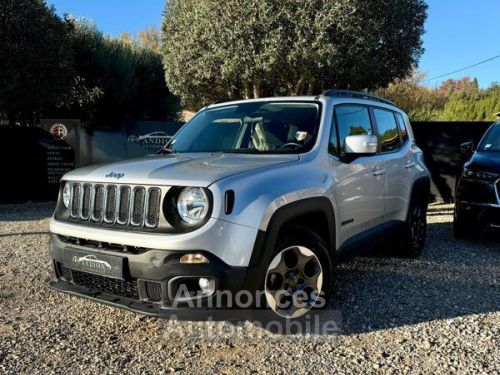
119,205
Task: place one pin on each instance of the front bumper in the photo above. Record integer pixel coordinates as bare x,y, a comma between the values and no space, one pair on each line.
232,243
481,215
150,281
149,309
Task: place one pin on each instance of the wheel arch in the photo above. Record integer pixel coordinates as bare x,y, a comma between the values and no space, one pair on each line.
422,187
316,214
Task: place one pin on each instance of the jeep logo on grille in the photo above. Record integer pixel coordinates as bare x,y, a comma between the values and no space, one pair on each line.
115,175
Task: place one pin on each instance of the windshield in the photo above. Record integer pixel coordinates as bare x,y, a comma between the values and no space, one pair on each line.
491,141
254,127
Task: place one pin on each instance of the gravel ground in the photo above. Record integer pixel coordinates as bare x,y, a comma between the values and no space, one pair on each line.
436,314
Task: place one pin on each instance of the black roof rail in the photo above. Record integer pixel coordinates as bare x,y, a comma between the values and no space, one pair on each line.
357,94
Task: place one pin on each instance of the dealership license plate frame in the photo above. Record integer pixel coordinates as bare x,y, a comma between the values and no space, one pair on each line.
95,263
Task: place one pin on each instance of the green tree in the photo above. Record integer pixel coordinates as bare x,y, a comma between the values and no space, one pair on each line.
120,79
35,59
150,38
473,104
241,49
420,102
453,100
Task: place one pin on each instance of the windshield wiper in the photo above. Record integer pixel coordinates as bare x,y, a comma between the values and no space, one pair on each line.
166,150
242,151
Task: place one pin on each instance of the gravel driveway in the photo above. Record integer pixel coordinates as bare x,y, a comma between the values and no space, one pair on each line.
437,314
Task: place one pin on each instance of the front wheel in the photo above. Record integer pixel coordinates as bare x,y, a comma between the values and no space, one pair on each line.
299,276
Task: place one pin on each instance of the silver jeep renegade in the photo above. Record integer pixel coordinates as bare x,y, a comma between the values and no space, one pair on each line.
260,195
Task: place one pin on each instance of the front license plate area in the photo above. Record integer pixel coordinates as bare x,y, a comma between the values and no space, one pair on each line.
95,263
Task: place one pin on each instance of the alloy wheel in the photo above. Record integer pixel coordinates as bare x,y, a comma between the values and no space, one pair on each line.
294,280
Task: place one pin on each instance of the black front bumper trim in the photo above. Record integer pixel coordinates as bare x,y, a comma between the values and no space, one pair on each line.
151,309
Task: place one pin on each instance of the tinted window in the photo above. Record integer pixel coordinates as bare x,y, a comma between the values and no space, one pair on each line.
387,129
402,127
491,141
352,120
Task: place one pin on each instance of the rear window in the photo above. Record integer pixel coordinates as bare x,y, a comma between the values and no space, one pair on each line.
388,130
402,127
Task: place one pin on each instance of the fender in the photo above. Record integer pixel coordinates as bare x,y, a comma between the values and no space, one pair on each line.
266,240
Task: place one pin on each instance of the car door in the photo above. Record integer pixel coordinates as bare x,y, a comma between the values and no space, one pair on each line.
359,183
395,150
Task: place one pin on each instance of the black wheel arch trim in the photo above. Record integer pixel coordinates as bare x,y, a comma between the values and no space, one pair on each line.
266,240
421,185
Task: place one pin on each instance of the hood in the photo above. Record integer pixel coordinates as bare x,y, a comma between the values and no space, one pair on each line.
485,162
177,169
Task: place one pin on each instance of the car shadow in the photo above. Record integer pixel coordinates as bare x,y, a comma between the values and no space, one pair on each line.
18,212
42,233
452,278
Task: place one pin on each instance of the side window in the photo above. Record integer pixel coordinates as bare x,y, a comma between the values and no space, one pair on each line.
402,127
352,120
387,129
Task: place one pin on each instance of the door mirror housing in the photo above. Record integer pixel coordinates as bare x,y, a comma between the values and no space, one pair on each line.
467,148
359,145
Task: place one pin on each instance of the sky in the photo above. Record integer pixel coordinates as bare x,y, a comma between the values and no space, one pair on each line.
459,33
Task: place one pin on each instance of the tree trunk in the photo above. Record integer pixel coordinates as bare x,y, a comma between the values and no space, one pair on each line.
297,90
248,91
310,89
232,94
256,89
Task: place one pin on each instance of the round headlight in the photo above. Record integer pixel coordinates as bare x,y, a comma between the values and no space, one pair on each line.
193,205
66,195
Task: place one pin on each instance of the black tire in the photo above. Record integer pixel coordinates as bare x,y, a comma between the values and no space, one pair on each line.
415,229
304,237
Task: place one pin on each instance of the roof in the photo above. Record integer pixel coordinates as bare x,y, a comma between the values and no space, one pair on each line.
357,95
333,94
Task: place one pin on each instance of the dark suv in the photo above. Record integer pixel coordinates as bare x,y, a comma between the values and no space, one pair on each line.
477,204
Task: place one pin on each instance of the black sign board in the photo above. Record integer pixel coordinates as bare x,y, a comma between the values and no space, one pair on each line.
32,163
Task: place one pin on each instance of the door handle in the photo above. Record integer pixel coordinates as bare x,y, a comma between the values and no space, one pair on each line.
410,164
379,172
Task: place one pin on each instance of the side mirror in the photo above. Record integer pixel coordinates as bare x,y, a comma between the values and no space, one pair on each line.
467,148
361,145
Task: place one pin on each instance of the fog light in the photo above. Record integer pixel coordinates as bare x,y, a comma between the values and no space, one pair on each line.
193,259
207,286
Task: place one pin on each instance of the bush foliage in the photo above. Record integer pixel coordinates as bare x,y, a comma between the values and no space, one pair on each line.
35,59
453,100
121,79
213,50
55,67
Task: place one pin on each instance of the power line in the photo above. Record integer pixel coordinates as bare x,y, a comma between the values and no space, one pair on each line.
462,69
